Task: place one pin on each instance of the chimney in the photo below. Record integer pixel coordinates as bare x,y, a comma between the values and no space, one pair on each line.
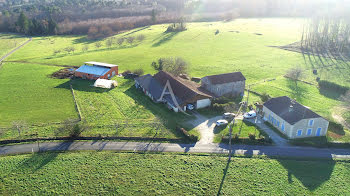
291,108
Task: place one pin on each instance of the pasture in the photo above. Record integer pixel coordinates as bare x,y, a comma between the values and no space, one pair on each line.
241,45
9,42
112,173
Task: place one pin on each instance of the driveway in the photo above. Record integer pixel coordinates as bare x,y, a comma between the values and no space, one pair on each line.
205,126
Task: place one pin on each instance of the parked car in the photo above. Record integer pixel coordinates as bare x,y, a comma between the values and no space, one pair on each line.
221,123
229,116
190,107
251,114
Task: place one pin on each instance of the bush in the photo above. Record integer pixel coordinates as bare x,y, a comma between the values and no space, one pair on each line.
191,137
139,72
126,72
324,84
265,97
217,32
252,136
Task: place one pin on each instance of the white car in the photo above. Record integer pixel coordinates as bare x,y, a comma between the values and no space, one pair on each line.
251,114
221,123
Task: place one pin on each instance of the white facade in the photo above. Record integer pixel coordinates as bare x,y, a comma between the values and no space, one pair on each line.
203,103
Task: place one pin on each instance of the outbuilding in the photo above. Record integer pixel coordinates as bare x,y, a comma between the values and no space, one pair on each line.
96,70
228,84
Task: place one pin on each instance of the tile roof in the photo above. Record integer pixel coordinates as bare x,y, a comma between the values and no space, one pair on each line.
95,70
226,78
289,110
185,90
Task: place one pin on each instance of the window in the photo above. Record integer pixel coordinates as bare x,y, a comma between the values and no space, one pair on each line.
309,131
282,127
318,132
278,124
269,117
311,123
299,132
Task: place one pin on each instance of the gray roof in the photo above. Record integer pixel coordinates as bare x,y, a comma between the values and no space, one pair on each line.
226,78
95,70
289,110
151,85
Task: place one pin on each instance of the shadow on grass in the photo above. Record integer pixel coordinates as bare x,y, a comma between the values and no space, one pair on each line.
311,174
169,118
135,31
330,94
82,85
39,160
298,89
165,38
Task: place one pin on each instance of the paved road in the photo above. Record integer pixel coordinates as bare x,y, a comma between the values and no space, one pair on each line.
270,151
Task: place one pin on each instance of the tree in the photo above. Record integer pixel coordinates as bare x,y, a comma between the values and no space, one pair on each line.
173,65
98,45
52,27
85,48
55,52
92,33
23,23
295,74
130,39
109,42
154,16
265,97
120,41
140,37
19,126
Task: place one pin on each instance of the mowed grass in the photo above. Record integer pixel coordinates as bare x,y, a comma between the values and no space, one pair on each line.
109,173
242,45
29,94
241,128
124,111
9,42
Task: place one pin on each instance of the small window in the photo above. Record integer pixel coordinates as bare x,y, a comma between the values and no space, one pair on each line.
300,132
282,127
311,123
278,123
269,117
309,131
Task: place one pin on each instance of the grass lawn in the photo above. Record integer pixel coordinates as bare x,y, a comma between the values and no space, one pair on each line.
237,47
9,42
124,111
28,94
112,173
246,129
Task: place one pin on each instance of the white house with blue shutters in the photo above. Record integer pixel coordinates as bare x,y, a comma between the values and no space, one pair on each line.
293,119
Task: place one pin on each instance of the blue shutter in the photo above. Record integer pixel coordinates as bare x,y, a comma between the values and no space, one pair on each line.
282,126
309,131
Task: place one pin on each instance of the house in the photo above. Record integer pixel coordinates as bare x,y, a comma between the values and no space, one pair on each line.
232,84
293,119
179,94
96,70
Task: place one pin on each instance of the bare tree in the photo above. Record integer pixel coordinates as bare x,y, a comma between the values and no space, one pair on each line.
295,74
141,37
55,52
173,65
19,126
98,45
109,42
85,48
130,39
120,41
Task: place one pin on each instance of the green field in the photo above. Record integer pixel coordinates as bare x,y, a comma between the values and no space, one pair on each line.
9,42
111,173
242,45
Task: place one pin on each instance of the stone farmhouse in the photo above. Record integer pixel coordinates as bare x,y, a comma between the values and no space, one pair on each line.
293,119
232,84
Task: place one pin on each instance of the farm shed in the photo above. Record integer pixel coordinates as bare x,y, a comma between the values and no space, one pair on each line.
96,70
293,119
176,92
232,84
103,83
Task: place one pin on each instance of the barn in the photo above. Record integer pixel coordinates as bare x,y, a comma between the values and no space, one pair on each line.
96,70
231,84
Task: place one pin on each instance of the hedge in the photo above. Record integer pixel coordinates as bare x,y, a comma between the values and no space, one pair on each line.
324,84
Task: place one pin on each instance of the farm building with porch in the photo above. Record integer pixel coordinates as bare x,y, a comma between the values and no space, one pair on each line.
96,70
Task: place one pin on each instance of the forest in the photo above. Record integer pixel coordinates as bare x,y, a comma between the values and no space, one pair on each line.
49,17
